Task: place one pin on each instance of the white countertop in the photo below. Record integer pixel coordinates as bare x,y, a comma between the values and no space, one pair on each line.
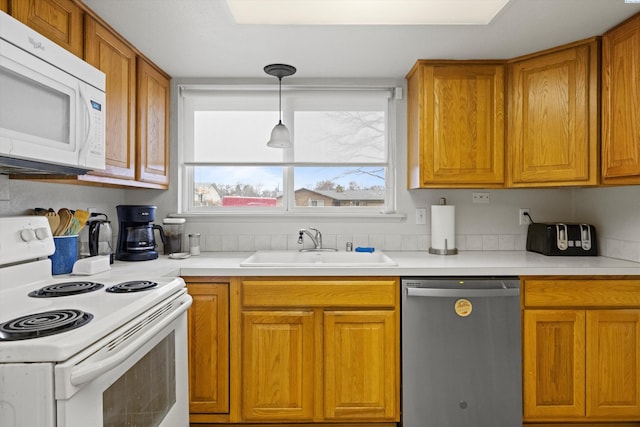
465,263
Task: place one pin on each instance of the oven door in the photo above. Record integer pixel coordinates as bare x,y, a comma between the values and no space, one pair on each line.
135,377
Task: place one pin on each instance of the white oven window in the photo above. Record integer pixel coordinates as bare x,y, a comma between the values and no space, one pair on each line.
154,381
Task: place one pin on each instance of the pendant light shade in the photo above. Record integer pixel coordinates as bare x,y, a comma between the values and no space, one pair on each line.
280,137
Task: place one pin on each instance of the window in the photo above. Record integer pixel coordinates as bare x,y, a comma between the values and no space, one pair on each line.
339,161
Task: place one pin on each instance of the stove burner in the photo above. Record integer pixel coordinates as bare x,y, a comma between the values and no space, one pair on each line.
43,324
65,289
133,286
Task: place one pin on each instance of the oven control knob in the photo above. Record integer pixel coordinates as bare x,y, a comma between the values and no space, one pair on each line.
42,233
27,235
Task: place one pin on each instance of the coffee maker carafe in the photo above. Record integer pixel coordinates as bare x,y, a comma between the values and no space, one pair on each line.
136,238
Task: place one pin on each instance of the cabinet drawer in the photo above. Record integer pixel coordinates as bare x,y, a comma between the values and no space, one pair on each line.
582,293
319,293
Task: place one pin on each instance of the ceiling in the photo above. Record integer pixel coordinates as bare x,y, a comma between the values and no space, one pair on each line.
199,38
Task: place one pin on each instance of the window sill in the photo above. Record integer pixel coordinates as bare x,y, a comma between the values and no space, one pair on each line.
276,217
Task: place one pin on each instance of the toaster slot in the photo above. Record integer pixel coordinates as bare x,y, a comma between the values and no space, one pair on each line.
562,237
585,236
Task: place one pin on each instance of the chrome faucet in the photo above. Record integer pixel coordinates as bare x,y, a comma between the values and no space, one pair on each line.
316,237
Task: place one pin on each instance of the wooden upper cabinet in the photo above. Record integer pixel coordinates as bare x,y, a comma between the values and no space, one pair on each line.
553,117
4,5
57,20
152,154
621,103
107,52
456,124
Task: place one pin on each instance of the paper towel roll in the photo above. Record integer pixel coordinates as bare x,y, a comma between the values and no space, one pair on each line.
443,230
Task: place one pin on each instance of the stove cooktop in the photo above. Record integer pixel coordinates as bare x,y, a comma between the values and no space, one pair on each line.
73,313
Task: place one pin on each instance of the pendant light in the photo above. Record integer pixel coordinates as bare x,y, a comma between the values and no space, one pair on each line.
280,134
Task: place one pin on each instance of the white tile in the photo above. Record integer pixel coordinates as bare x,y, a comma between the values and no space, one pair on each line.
230,243
631,251
506,242
490,242
279,242
360,240
614,248
377,241
262,242
409,242
213,243
461,242
474,242
246,243
392,242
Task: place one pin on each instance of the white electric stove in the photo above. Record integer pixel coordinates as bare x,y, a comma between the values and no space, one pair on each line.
86,348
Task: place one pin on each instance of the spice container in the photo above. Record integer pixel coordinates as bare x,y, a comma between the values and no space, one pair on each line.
174,232
194,244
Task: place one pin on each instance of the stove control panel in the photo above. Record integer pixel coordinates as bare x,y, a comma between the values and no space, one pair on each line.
25,238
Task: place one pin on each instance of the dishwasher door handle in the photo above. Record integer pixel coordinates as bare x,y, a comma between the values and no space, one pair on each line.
461,293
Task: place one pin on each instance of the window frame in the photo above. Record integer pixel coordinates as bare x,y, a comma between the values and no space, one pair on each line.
289,210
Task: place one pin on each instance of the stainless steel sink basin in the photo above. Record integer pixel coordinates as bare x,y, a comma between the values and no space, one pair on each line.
317,259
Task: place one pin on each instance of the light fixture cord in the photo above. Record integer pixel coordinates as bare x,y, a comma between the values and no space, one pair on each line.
280,99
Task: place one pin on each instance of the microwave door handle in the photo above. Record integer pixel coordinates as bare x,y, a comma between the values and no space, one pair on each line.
84,373
87,125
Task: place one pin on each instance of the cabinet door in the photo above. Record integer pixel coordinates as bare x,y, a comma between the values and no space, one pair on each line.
360,376
208,325
553,118
4,6
613,364
152,155
456,126
554,364
57,20
621,104
277,365
107,52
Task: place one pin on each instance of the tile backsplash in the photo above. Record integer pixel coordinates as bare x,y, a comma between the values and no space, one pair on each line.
612,248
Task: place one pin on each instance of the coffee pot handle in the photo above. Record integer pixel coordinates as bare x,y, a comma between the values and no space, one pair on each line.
161,230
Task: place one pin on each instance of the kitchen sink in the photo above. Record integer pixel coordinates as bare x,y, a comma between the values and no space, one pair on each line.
317,259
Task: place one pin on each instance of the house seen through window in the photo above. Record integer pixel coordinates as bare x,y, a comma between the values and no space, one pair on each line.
339,159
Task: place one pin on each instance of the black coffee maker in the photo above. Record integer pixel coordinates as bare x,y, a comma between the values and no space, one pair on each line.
136,237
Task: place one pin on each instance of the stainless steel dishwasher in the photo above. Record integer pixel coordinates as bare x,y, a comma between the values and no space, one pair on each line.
461,362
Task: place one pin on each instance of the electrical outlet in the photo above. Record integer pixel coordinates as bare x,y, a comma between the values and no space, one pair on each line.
480,198
523,216
421,216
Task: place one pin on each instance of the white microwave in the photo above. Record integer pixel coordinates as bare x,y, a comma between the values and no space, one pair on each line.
52,106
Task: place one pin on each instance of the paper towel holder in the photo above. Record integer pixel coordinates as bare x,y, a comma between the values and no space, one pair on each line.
446,250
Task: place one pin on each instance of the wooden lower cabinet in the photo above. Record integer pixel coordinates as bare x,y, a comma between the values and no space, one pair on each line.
359,364
319,350
277,365
208,338
581,350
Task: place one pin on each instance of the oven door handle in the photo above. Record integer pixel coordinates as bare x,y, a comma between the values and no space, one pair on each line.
85,373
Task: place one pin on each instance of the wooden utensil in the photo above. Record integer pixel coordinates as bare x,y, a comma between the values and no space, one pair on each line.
82,217
54,221
65,220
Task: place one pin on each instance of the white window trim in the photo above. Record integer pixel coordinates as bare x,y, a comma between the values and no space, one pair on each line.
327,214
